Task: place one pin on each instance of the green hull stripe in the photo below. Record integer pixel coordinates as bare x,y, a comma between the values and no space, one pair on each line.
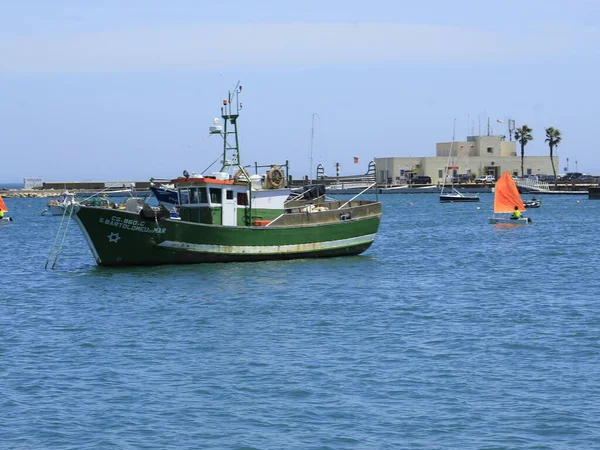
268,249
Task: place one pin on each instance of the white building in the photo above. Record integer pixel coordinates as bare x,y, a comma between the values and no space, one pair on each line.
30,183
477,156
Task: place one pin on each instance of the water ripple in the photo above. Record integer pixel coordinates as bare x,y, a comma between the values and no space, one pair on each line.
447,333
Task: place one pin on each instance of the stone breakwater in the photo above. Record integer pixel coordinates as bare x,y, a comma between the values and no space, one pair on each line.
30,193
80,193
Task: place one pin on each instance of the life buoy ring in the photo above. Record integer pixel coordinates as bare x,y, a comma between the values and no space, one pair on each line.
275,178
52,202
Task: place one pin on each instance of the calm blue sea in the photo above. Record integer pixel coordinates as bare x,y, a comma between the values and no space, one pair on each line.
11,185
448,333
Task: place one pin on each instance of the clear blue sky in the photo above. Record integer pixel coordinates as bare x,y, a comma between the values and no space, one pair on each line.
125,90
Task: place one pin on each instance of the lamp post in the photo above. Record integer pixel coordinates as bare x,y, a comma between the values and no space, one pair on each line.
312,138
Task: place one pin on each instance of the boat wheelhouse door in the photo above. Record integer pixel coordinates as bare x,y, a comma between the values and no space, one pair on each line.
229,207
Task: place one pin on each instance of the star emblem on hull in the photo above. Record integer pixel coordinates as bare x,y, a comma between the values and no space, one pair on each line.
114,237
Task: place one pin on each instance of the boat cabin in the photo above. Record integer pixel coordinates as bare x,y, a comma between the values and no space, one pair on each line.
66,198
222,200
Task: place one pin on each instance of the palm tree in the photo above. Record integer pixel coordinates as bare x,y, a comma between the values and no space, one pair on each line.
523,135
553,138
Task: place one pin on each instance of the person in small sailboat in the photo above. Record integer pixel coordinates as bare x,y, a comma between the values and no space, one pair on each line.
516,214
5,219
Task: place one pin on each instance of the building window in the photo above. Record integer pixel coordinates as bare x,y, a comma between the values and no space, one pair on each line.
490,149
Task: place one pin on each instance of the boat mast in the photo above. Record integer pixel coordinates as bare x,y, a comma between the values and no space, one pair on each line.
452,148
230,113
448,166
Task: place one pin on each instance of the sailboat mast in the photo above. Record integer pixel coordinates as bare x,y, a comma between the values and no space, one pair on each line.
452,148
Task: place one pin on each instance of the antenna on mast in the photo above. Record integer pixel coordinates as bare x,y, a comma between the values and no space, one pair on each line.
511,128
230,114
468,122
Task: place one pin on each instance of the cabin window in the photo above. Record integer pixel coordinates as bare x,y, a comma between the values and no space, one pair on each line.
203,196
215,195
242,198
229,194
184,196
193,195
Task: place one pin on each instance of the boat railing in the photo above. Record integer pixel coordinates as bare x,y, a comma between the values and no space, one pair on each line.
352,184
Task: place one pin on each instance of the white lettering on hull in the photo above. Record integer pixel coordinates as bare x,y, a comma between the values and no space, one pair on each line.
268,249
131,225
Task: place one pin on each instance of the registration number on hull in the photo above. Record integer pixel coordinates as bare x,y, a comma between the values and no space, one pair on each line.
131,225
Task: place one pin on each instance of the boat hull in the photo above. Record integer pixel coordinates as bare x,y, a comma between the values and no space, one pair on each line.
58,210
509,221
121,238
457,199
532,204
168,197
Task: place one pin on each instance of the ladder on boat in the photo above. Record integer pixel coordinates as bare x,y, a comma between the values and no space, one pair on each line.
62,227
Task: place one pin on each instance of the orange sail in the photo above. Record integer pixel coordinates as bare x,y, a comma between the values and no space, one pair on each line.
507,195
2,205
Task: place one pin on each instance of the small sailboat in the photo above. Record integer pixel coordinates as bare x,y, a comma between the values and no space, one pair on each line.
4,220
452,195
507,200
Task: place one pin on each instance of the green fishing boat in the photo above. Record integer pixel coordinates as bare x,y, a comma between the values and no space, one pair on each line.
229,216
